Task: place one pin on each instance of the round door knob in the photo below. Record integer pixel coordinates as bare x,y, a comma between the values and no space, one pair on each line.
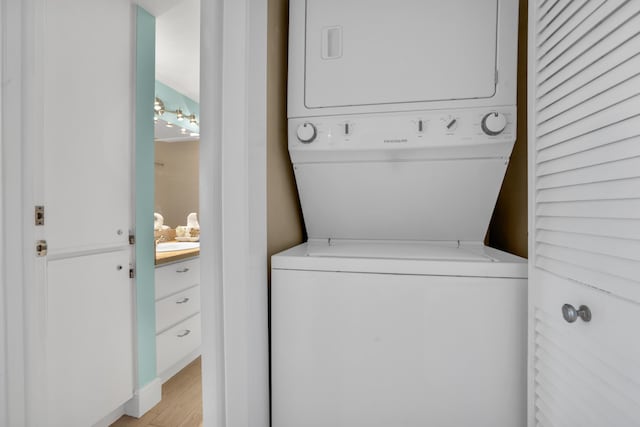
307,132
494,123
570,313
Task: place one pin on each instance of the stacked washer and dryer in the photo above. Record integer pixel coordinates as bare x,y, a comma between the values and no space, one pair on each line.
402,119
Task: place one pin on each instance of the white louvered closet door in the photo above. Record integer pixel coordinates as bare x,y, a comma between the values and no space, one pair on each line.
584,158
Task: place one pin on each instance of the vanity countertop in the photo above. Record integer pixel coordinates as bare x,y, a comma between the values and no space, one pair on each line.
167,257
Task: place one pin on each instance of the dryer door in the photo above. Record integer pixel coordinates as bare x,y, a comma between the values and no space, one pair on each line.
399,51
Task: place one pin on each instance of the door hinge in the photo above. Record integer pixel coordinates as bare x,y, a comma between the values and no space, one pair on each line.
132,239
39,215
41,248
132,273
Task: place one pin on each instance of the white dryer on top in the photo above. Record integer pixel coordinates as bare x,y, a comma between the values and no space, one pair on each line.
367,56
402,115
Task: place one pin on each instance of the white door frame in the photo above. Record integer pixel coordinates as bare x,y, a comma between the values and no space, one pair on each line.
3,338
233,214
18,196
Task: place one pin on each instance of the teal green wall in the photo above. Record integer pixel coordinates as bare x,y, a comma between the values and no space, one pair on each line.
145,189
172,101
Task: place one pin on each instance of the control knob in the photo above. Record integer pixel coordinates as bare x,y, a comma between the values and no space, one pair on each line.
494,123
307,132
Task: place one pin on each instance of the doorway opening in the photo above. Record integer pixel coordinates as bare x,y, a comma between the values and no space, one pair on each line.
171,172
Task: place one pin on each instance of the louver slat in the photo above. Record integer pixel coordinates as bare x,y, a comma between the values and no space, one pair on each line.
604,209
604,227
624,189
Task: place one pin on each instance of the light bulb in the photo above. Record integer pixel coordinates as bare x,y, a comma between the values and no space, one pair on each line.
158,105
179,114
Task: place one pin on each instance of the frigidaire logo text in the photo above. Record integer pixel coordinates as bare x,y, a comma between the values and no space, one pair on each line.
395,141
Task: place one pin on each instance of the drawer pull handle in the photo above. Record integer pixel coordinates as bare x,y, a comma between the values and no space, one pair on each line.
570,313
184,334
182,270
183,300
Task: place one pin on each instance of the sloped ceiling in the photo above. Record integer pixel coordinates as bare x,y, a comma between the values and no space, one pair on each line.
178,48
157,7
177,43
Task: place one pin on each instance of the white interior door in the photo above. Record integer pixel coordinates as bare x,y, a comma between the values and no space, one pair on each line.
584,143
86,82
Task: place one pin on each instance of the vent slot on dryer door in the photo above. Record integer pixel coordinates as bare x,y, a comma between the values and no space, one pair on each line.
365,52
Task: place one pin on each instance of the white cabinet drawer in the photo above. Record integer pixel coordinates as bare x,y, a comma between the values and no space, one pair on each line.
177,342
176,277
177,307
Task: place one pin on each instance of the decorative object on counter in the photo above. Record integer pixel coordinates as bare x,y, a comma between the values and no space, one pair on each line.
161,232
192,221
158,221
190,232
185,234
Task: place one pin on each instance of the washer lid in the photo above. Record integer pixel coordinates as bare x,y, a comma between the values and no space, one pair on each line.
365,52
422,258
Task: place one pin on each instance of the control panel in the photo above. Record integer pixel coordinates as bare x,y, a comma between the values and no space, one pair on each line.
416,129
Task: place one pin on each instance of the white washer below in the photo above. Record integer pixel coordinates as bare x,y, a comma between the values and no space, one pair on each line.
398,334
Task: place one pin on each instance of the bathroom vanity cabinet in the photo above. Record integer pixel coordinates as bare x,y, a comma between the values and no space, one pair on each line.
178,330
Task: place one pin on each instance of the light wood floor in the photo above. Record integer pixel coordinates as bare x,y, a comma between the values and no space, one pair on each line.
181,404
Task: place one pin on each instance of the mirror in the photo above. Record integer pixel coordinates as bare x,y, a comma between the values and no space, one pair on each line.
176,173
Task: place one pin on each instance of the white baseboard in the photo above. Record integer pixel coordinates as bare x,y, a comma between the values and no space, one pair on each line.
144,399
111,418
180,365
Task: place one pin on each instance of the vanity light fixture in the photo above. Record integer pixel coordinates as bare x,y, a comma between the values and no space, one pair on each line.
159,109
